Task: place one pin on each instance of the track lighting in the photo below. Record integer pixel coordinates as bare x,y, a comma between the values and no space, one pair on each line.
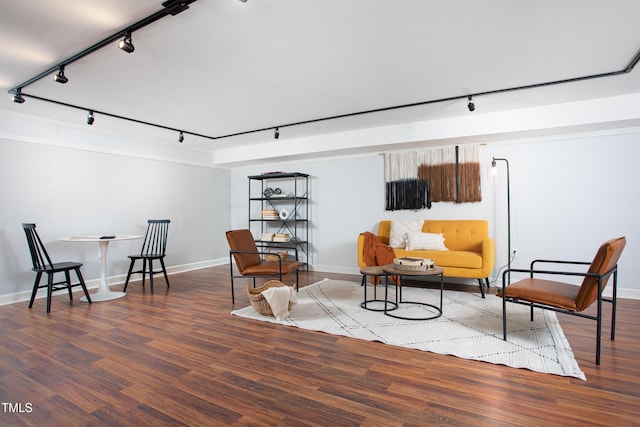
471,106
90,118
126,44
17,97
180,137
175,7
60,77
276,133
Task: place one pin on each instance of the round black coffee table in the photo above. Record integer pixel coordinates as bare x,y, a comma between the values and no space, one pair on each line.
392,270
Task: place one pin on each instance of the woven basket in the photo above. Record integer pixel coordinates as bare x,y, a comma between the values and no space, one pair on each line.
410,267
257,300
401,264
274,258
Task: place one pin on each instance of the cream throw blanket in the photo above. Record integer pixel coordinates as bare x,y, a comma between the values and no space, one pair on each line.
278,299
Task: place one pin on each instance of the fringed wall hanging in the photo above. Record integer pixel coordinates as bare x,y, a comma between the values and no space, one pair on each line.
415,179
438,166
403,188
469,189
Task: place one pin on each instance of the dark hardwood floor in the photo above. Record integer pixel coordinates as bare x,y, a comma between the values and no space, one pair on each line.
179,357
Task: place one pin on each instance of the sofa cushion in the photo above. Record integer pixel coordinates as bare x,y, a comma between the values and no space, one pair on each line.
399,229
425,241
460,259
459,235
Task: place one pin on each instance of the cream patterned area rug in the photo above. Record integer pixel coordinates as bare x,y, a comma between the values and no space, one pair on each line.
470,327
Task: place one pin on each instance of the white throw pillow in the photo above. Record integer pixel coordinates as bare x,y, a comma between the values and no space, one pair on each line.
425,241
399,229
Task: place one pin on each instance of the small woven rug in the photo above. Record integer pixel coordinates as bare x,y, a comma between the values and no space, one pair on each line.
470,327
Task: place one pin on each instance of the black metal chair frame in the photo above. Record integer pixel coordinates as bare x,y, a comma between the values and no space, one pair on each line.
153,248
262,253
42,264
598,317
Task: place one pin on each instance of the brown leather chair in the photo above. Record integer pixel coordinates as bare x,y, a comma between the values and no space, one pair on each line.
250,263
565,297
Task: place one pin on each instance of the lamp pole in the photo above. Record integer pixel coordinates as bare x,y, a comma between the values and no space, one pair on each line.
494,165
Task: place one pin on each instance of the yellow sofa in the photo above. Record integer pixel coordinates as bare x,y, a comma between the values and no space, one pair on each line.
471,252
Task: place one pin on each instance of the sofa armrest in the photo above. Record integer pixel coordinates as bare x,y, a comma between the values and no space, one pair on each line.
488,256
361,262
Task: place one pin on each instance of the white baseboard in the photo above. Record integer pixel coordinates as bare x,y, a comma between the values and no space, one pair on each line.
119,279
112,280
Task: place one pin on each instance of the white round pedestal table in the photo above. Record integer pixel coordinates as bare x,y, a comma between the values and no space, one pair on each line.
103,293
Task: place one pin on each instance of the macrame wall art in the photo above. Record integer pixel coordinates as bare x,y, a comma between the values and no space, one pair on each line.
404,190
415,179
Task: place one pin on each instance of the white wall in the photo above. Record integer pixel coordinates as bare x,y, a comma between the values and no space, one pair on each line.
568,195
71,191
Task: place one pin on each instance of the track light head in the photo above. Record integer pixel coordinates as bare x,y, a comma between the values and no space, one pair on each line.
174,7
17,97
60,77
471,106
90,118
180,137
126,44
276,133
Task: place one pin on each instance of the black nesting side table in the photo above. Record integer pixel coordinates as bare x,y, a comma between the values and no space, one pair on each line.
374,271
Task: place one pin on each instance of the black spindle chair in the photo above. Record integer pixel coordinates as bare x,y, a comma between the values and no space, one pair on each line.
42,264
153,248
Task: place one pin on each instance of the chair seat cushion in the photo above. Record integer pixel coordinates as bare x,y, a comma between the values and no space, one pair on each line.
547,292
460,259
271,268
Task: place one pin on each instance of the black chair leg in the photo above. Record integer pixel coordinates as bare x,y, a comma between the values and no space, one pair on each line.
614,303
598,337
83,285
233,300
126,282
144,270
35,289
599,323
68,277
151,274
49,290
164,270
504,316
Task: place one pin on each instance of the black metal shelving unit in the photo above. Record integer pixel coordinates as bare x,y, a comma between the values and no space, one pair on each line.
278,191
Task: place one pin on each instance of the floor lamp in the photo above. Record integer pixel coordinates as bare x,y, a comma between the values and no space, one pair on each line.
494,169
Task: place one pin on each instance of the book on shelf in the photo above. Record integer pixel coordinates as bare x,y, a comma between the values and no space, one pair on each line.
281,237
270,214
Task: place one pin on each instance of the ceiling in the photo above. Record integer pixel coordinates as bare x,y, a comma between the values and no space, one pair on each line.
224,67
